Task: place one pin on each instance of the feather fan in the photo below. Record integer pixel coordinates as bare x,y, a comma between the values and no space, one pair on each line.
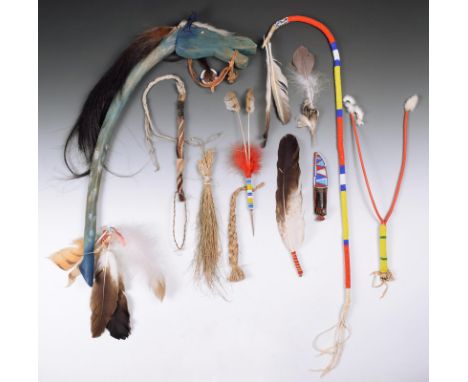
108,302
276,86
289,214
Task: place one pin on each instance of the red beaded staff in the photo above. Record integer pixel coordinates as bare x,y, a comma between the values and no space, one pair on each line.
341,332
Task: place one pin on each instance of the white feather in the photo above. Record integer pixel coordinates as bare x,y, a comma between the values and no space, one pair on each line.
108,263
310,86
292,228
139,257
411,103
278,84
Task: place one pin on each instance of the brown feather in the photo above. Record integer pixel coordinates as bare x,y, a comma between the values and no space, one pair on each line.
303,61
69,257
289,172
288,194
119,324
105,293
159,288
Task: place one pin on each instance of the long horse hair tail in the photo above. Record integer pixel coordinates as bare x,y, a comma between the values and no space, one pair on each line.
87,126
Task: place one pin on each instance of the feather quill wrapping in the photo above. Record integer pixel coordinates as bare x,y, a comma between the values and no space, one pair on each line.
289,215
107,296
276,87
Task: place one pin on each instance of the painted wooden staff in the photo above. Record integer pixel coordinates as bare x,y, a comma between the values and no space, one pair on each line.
340,328
96,124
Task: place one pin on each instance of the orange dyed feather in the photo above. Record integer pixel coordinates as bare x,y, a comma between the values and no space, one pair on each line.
240,160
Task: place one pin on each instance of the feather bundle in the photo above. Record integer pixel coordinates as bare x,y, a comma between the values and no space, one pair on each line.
289,215
276,86
119,257
303,63
108,301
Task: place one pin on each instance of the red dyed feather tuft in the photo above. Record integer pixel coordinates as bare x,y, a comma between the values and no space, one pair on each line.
240,160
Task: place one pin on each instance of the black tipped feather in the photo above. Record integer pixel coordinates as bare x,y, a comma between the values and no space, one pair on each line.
93,113
119,324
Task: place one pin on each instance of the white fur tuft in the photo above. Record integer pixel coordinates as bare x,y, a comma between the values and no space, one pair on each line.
353,108
349,100
411,103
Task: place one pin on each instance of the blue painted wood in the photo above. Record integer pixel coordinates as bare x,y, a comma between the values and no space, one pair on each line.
194,42
191,42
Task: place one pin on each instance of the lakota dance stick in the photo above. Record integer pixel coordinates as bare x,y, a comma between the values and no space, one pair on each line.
356,114
341,327
96,125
